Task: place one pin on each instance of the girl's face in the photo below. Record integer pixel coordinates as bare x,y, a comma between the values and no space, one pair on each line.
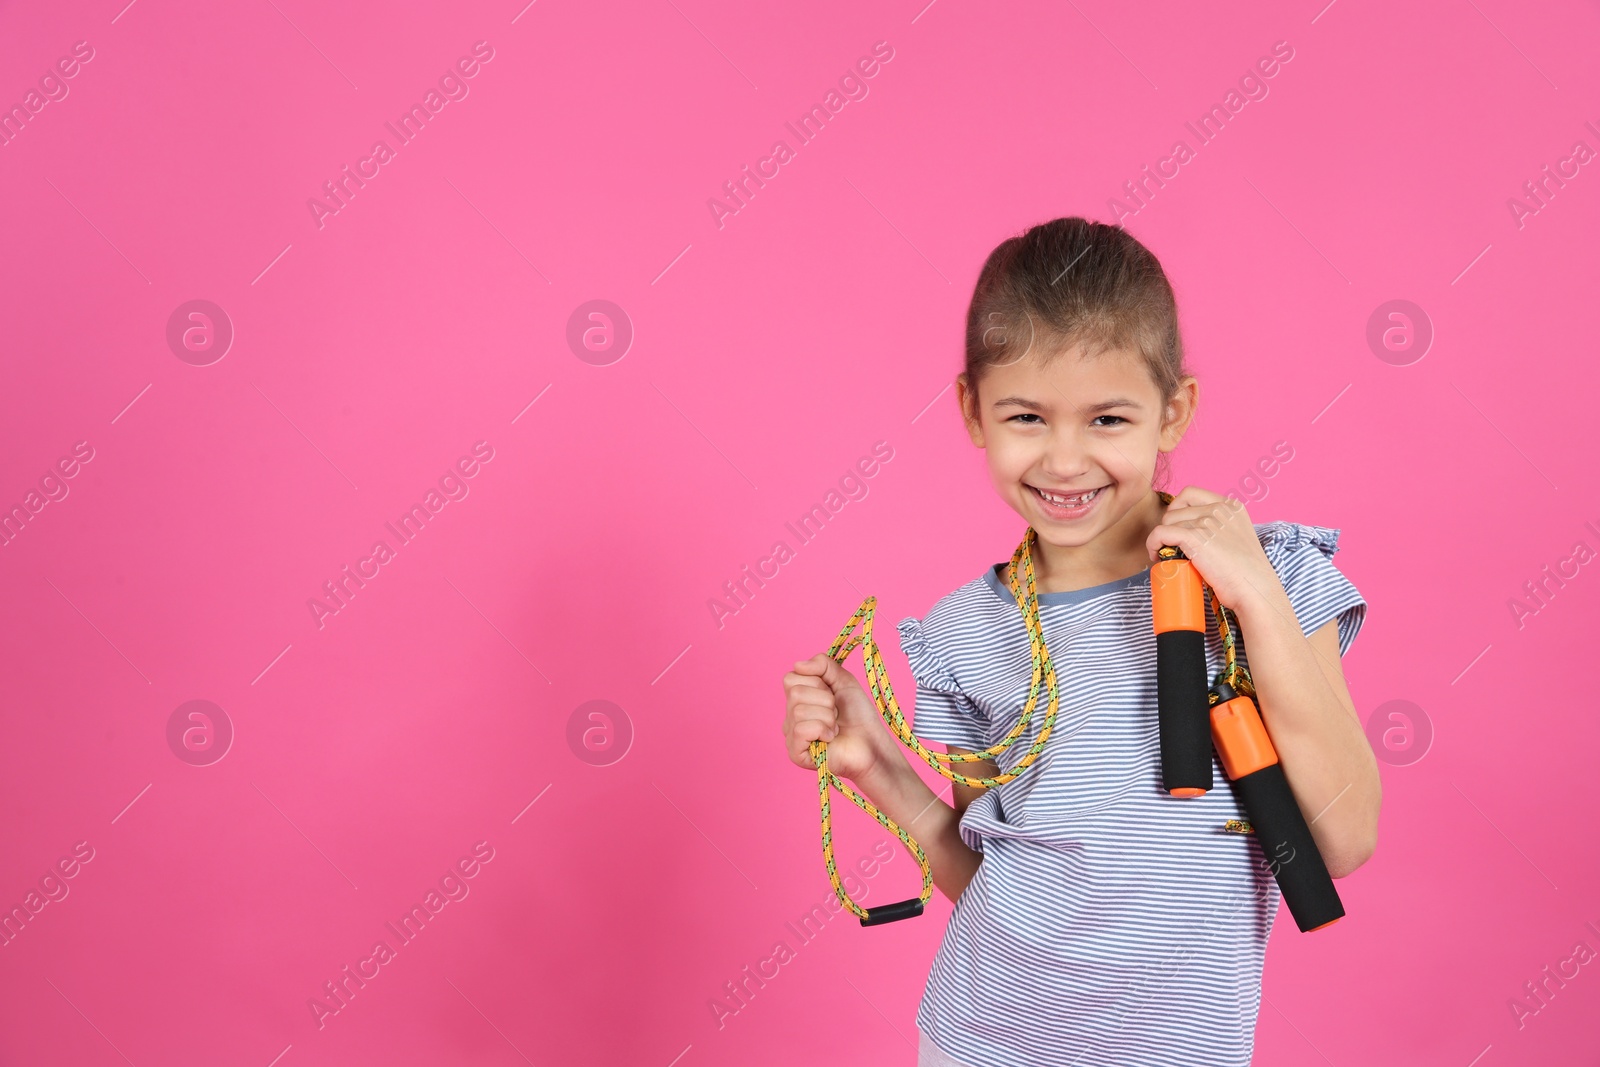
1077,426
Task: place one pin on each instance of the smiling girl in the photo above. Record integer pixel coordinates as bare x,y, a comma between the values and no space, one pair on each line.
1099,920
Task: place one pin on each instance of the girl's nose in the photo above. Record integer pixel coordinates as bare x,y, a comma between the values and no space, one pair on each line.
1065,461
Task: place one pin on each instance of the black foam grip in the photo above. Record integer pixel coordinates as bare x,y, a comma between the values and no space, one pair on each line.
1184,711
888,913
1288,847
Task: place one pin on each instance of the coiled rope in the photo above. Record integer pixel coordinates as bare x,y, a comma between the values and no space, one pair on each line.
1024,591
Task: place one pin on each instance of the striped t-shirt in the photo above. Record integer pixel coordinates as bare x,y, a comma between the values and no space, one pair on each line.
1109,923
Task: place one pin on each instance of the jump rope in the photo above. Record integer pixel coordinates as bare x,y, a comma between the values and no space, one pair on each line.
1192,718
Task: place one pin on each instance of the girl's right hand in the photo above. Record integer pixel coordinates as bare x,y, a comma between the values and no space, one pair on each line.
827,703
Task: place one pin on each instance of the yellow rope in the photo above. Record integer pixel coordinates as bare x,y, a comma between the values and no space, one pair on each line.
1021,578
889,708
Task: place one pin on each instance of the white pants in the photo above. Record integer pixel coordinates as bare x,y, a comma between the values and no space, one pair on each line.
931,1055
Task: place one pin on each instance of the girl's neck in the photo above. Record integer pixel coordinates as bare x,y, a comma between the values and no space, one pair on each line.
1116,553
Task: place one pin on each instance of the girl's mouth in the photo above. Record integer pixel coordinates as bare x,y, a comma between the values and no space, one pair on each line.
1065,508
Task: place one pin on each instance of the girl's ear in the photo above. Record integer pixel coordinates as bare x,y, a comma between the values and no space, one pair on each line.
968,399
1180,412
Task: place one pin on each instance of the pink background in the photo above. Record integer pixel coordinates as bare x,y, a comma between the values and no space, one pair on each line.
432,711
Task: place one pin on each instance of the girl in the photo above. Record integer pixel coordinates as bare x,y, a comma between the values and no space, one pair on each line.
1099,920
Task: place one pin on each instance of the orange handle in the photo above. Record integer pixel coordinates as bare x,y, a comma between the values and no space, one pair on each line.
1241,737
1177,596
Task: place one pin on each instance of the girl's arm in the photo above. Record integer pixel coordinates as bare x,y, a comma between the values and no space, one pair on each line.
896,789
825,702
964,795
1307,709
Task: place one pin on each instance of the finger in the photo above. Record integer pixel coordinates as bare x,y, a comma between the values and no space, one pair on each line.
818,713
793,680
1168,533
802,695
1194,502
1232,508
813,730
801,738
1194,494
815,665
813,703
836,676
818,695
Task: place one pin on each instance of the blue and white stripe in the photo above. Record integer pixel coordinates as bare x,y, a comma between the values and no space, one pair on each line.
1109,923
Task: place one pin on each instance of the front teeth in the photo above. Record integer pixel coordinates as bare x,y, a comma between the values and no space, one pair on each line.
1068,501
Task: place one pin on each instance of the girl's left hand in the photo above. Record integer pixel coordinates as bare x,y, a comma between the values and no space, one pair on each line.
1216,534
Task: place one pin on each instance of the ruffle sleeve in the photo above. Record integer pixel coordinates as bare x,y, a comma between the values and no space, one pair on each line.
1302,555
942,712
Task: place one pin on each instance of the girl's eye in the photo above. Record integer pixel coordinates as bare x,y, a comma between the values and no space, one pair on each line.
1030,415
